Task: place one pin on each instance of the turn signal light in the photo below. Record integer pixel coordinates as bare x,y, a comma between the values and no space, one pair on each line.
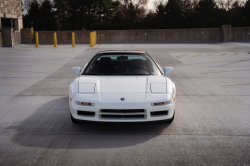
84,103
161,103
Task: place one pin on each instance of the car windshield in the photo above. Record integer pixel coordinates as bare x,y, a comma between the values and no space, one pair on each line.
121,64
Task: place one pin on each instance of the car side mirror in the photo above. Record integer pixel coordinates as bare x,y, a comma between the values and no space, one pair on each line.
76,70
167,70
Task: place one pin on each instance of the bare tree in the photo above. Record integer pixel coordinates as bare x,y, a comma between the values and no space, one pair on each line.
220,4
228,4
139,7
157,3
26,5
194,3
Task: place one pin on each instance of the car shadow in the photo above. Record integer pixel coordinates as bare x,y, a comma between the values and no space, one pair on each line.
50,127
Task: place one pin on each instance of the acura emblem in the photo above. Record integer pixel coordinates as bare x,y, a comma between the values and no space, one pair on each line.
122,98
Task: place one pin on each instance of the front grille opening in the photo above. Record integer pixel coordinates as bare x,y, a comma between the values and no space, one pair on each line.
123,111
122,116
85,113
159,113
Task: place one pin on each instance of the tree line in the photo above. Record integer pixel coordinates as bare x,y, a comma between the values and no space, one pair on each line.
49,15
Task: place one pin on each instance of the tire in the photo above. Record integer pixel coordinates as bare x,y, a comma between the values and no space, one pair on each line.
73,119
170,120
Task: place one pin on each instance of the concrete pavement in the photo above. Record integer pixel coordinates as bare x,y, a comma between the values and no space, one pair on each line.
211,126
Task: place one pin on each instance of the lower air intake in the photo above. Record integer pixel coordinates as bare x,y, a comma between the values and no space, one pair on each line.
122,116
85,113
159,113
122,111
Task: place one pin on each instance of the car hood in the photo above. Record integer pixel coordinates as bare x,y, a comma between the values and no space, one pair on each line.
119,84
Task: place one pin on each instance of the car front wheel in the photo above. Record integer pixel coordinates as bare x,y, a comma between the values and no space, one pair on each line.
170,120
73,119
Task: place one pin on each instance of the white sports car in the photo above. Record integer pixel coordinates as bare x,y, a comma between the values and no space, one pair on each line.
122,86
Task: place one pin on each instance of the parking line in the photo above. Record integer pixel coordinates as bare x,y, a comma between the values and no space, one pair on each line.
31,61
13,84
220,55
53,56
98,46
196,55
43,55
40,50
24,71
210,54
215,62
217,55
180,56
224,71
235,85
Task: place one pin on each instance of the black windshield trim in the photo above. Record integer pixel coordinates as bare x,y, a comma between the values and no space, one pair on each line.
146,55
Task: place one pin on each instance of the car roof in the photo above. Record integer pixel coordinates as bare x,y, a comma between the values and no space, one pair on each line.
122,51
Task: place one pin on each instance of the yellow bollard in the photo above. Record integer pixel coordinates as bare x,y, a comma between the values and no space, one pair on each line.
55,40
73,39
92,39
31,31
37,41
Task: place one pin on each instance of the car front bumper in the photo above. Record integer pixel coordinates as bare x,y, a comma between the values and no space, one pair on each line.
130,111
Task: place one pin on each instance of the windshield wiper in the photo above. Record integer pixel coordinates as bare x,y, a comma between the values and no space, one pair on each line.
93,73
137,74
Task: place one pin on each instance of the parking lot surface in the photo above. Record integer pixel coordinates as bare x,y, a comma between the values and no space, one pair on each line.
212,119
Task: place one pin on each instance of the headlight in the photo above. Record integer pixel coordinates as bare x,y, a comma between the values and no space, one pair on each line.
161,103
84,103
158,88
86,88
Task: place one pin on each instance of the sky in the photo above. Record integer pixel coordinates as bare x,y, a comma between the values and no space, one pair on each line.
151,4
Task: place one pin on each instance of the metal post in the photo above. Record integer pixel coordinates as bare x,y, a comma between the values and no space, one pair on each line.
73,39
55,40
12,33
37,41
32,32
11,23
